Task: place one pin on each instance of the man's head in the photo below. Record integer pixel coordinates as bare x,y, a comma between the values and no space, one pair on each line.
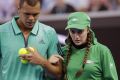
28,11
29,2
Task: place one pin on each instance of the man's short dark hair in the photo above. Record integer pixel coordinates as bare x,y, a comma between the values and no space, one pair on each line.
30,2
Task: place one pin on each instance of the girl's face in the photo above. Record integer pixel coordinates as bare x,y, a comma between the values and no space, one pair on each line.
78,36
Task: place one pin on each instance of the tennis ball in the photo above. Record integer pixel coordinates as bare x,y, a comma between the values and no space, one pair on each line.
23,51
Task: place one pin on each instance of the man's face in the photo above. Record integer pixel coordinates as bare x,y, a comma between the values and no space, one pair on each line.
29,14
78,37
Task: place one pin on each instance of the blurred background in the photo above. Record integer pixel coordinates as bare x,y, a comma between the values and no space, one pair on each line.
105,16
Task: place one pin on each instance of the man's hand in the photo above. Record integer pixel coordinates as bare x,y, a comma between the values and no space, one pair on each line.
33,57
54,59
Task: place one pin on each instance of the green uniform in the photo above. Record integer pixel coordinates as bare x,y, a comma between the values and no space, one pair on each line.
99,66
42,37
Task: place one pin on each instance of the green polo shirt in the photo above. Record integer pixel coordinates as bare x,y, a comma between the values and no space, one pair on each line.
99,66
42,37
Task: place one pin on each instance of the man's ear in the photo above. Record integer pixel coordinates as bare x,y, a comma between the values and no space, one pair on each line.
18,10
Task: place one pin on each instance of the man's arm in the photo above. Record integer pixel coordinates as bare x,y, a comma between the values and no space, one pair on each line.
0,59
36,58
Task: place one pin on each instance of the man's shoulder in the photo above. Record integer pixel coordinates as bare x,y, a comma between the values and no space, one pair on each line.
46,28
5,25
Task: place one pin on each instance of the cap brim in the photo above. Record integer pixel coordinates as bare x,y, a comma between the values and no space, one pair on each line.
76,26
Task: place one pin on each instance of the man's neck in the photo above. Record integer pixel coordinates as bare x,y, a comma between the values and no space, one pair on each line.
23,28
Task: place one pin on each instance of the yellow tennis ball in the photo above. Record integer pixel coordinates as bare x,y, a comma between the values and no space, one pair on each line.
23,51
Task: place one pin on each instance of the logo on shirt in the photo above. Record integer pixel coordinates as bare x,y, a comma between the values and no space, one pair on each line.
41,41
89,61
111,65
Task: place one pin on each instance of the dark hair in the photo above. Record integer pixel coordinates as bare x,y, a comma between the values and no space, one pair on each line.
69,43
30,2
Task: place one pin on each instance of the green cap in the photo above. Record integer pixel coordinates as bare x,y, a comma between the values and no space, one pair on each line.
78,20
